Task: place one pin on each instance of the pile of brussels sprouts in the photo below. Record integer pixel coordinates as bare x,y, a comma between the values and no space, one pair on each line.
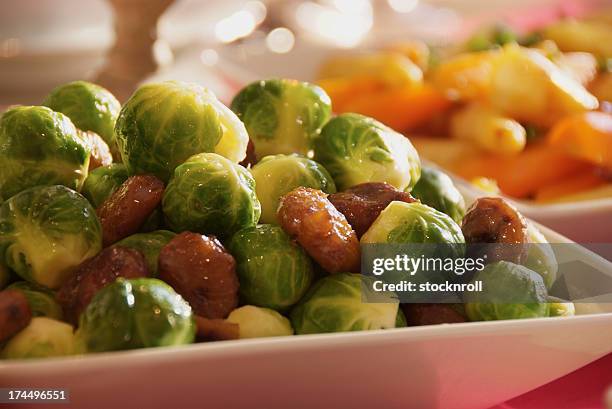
225,173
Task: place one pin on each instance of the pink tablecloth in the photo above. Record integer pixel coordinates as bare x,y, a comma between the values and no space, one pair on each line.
582,389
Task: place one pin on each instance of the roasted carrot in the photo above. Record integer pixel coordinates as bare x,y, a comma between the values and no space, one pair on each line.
401,108
581,182
524,174
343,90
587,136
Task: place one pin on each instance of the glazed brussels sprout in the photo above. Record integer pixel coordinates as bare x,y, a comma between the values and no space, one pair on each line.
90,107
103,182
510,291
256,322
403,222
281,115
136,313
45,232
560,308
437,190
356,149
334,304
41,301
211,195
42,338
165,123
540,256
273,271
149,244
278,175
40,147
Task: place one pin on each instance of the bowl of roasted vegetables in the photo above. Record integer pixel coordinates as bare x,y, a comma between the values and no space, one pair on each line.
525,115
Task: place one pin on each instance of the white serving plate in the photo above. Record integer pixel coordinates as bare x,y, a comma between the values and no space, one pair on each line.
458,366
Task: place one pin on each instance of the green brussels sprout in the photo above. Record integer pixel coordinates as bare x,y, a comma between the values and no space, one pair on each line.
437,190
90,107
356,149
149,244
281,115
400,320
334,304
165,123
41,300
277,175
211,195
560,308
138,313
256,322
273,271
509,291
46,232
40,147
42,338
402,222
540,256
103,182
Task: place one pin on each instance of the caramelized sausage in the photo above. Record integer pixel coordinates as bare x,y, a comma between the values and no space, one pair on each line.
431,314
15,313
96,273
215,329
493,220
126,210
310,218
361,204
202,271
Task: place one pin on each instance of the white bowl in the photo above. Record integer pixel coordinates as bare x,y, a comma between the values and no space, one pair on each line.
471,365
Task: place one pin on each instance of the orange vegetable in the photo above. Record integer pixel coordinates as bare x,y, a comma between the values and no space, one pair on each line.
524,174
401,108
343,90
576,184
587,136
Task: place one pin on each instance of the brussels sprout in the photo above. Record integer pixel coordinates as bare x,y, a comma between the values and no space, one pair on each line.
149,244
356,149
165,123
437,190
103,182
90,107
210,194
402,222
40,147
256,322
281,115
334,304
277,175
41,300
560,308
509,291
137,313
42,338
400,320
45,232
273,271
540,256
